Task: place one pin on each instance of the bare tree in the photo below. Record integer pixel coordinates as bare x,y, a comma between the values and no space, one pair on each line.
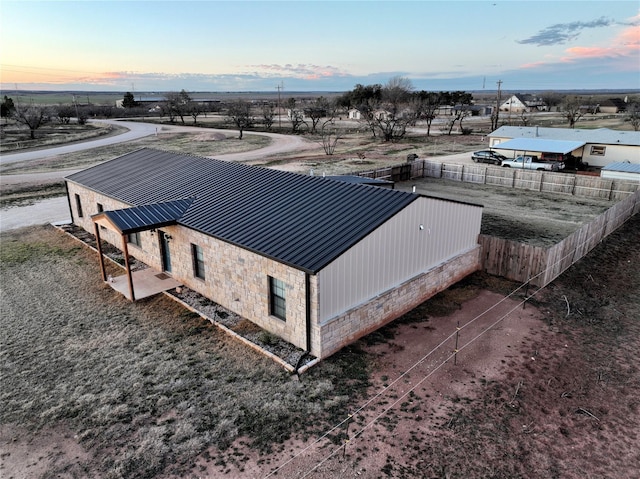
240,114
64,113
296,116
633,114
268,114
194,109
330,136
425,106
318,110
32,116
571,106
176,104
396,93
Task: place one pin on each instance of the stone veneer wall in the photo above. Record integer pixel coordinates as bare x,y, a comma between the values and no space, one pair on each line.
234,277
360,321
238,280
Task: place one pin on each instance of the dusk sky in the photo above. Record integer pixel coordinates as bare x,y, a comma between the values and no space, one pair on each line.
318,45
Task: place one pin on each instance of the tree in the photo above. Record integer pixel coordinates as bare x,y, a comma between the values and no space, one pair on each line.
296,116
425,105
33,117
396,93
268,113
194,109
633,114
64,113
129,101
176,104
317,111
240,114
330,136
571,108
7,108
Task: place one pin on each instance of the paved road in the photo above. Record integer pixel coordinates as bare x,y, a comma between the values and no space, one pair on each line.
57,210
135,130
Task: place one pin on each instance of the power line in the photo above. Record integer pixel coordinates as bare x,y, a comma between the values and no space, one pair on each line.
404,373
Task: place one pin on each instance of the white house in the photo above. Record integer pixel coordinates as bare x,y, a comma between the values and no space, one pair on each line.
598,147
523,103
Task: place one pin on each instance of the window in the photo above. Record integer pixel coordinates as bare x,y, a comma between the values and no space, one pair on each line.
598,150
277,298
198,261
100,210
134,239
78,205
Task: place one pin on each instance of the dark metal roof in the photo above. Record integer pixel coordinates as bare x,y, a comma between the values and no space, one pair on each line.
303,221
140,218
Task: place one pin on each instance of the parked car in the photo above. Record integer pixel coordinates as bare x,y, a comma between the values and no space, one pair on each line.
532,163
488,156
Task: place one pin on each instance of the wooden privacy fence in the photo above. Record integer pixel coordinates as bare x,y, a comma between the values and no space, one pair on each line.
521,262
542,181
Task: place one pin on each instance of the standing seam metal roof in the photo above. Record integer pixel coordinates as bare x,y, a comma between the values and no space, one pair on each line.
303,221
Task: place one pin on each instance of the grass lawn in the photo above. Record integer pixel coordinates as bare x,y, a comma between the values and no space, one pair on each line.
145,386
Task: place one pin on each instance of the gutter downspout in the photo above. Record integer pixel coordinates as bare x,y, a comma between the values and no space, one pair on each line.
307,300
307,290
66,189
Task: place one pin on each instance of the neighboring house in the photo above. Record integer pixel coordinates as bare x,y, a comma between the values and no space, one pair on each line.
612,105
621,171
598,147
354,114
318,262
382,115
523,103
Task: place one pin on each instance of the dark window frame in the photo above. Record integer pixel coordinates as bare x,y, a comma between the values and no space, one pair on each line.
79,205
134,239
277,298
197,256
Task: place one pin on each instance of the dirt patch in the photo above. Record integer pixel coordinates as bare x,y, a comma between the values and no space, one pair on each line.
540,219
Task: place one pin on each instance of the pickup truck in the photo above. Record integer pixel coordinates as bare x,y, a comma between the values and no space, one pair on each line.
532,163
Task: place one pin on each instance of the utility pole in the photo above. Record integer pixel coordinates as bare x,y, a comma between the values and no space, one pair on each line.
496,115
279,87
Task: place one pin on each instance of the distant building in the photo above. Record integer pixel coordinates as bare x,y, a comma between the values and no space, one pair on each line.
523,104
598,147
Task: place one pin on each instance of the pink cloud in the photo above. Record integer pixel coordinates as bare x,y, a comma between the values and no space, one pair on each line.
626,44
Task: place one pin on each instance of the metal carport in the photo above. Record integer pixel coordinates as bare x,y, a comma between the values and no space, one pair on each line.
539,144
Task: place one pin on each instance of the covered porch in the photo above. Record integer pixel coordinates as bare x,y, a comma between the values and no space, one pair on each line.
148,281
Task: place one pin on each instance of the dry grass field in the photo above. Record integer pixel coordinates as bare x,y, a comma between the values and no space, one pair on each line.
94,386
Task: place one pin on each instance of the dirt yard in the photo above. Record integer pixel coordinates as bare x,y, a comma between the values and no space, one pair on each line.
516,214
94,386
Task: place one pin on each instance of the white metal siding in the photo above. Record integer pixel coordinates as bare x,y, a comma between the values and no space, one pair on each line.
398,251
612,154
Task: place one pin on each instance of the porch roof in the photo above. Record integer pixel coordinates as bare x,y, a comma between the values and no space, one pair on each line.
144,217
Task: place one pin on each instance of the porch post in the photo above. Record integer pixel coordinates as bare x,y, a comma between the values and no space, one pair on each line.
99,246
125,251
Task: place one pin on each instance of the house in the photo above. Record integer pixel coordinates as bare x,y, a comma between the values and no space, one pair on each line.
523,103
598,147
354,114
612,105
621,171
318,262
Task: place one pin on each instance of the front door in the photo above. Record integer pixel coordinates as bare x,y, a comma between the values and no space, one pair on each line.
165,252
